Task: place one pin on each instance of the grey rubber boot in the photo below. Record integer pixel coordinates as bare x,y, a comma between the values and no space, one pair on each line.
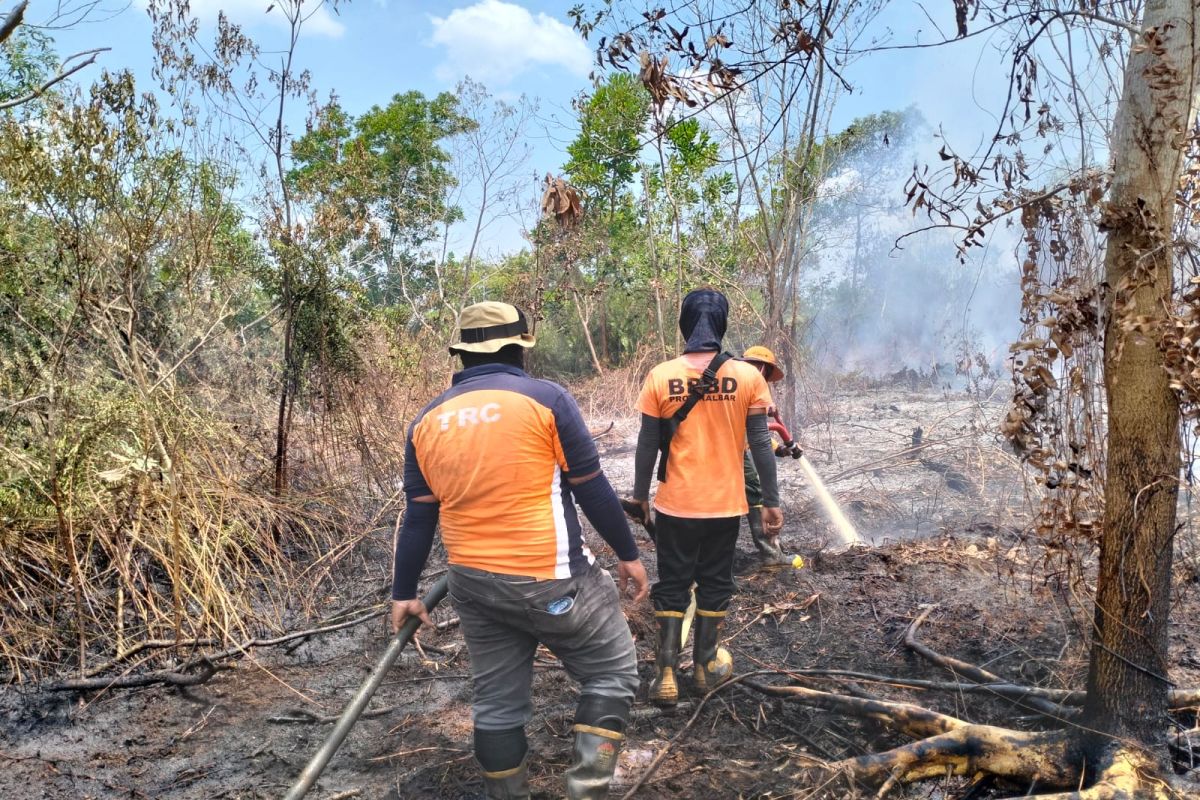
768,548
713,664
599,731
664,689
509,784
497,751
593,762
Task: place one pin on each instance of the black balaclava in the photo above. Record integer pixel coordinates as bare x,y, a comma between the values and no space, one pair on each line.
702,318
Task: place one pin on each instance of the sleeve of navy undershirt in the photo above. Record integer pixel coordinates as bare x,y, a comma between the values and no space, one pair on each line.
415,484
412,547
600,505
417,530
573,436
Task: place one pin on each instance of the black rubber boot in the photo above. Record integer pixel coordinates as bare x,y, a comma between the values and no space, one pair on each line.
713,664
664,689
502,757
769,551
599,732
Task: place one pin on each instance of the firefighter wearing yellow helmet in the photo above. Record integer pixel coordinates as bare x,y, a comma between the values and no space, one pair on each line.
762,359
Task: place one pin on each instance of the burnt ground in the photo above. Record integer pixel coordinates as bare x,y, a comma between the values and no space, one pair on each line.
947,523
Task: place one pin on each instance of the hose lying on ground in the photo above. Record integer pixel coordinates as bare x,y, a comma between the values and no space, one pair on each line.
358,703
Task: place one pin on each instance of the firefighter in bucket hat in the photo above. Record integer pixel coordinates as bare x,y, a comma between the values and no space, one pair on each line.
501,460
769,550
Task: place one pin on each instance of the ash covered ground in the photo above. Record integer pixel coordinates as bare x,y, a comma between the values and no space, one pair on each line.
945,516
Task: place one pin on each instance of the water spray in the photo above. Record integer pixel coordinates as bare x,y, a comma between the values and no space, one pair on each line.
845,530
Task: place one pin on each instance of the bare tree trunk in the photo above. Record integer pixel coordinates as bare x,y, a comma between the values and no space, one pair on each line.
585,319
287,258
281,419
1127,683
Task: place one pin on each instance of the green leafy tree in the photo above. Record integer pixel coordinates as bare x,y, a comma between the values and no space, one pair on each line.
380,183
604,157
604,161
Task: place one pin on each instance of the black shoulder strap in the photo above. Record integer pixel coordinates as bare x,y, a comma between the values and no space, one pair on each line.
706,385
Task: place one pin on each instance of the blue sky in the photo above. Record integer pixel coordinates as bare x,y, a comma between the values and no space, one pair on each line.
369,50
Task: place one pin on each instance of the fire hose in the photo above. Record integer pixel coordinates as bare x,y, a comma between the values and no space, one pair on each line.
358,703
789,446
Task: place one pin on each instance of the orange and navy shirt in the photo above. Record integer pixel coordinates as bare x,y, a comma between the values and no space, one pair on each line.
704,472
496,450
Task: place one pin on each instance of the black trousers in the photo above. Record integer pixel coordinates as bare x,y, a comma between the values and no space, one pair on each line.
696,551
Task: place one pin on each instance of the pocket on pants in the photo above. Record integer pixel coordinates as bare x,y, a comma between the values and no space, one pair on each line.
593,594
459,596
550,617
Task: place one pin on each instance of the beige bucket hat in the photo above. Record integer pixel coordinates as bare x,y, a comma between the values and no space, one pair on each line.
486,327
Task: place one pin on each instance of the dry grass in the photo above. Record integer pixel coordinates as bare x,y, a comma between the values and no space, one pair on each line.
613,395
147,515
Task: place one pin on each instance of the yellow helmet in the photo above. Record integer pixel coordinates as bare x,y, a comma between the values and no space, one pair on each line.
763,355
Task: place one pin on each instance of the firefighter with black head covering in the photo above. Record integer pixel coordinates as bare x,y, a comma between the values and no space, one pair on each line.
501,460
697,413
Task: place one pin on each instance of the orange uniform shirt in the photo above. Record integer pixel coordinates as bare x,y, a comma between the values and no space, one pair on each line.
496,450
704,473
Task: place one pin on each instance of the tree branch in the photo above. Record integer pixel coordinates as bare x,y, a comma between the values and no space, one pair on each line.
63,73
14,19
970,671
169,677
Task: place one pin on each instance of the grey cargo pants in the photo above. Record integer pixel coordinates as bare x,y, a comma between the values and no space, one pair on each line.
504,617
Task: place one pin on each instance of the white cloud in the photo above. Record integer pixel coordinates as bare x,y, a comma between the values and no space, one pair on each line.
319,20
494,41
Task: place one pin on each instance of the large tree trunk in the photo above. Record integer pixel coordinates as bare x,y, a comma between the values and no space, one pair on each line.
1127,683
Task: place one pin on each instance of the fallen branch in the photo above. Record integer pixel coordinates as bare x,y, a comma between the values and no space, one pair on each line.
905,717
1044,701
163,676
1060,760
1049,757
169,677
971,672
149,644
1009,691
945,744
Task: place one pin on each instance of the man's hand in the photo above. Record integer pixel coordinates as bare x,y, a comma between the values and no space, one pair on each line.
633,571
639,512
644,505
772,521
403,609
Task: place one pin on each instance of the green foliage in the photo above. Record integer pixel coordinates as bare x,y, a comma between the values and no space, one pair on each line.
379,185
27,60
604,158
123,266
